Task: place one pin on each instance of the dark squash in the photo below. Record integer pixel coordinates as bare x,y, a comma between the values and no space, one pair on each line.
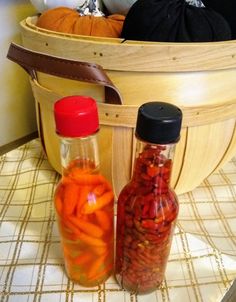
174,21
227,9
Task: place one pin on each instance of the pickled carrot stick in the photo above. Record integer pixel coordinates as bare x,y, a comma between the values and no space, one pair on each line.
83,198
66,234
100,189
71,194
100,250
72,248
82,259
104,219
58,198
78,235
91,240
58,203
107,271
66,180
87,227
96,266
78,171
68,252
101,202
88,179
66,225
79,167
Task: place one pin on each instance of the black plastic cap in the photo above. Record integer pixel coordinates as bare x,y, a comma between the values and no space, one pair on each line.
159,123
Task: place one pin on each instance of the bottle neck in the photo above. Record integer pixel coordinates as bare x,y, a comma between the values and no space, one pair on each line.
82,152
153,165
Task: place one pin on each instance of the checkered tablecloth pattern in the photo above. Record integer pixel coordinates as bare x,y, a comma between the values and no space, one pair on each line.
201,266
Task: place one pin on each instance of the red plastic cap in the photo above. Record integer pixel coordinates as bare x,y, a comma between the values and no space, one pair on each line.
76,116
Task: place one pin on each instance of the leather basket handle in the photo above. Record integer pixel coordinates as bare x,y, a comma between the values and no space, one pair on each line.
33,61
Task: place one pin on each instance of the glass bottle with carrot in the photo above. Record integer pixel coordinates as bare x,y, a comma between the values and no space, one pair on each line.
147,206
84,200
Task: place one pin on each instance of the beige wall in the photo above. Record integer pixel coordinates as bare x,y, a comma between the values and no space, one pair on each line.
17,111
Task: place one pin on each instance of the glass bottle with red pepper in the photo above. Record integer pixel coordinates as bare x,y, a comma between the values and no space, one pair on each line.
147,206
83,198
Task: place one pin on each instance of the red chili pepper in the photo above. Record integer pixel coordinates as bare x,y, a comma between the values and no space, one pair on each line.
152,209
148,224
145,211
153,170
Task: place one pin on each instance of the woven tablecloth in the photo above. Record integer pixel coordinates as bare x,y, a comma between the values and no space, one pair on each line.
201,266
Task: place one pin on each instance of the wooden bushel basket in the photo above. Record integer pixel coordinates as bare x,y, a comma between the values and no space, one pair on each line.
200,78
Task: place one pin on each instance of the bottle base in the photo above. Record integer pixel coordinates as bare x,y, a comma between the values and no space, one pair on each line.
85,282
139,289
88,284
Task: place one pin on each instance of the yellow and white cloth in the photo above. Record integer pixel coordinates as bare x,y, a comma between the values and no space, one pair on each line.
201,266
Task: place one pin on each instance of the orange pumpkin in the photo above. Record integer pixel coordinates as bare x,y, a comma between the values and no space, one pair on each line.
67,20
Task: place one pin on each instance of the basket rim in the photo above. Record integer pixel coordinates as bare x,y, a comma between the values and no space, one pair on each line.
31,22
123,55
